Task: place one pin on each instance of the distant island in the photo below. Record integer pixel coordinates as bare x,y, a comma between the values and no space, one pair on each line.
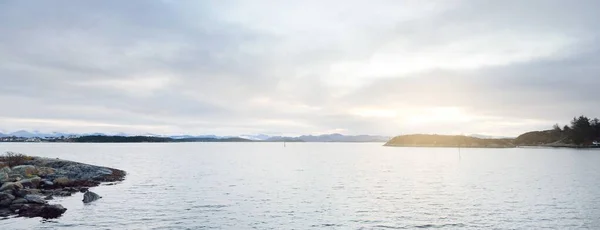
425,140
134,139
101,138
582,133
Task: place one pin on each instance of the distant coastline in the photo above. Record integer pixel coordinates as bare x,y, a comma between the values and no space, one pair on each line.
159,139
582,133
425,140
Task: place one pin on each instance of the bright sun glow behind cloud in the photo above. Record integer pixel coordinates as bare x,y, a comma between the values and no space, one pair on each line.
438,115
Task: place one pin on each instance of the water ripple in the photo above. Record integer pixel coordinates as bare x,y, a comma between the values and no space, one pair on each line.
328,186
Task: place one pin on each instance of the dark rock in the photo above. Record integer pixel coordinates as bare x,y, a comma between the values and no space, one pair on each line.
20,193
45,171
78,171
27,171
30,210
14,177
53,211
33,191
15,207
33,182
20,201
5,212
4,177
11,186
24,192
11,192
62,181
63,193
6,199
90,197
45,211
47,182
70,189
35,199
49,197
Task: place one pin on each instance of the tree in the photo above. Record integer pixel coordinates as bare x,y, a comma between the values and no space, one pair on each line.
595,123
556,128
582,130
567,129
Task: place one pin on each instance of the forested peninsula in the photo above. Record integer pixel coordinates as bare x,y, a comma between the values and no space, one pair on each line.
582,132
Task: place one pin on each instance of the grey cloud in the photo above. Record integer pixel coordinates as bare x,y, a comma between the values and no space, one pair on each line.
552,90
229,68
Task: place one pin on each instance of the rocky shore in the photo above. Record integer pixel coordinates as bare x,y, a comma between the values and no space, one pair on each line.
28,183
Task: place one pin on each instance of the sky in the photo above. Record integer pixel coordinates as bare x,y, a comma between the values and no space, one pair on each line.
298,67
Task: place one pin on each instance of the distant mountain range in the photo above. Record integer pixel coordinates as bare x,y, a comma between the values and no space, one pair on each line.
336,137
27,134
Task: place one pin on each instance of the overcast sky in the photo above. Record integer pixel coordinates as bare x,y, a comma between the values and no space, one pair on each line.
298,67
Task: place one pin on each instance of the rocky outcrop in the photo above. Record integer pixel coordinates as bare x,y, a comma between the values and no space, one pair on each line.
26,171
4,175
75,171
90,197
10,187
35,199
27,191
25,188
33,182
19,201
62,181
6,199
41,210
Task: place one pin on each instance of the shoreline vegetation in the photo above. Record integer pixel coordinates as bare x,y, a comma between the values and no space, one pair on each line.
583,132
27,183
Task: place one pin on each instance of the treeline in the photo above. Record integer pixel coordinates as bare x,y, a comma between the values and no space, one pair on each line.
120,139
140,139
581,131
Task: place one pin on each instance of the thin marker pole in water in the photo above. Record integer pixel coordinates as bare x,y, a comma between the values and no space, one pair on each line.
459,144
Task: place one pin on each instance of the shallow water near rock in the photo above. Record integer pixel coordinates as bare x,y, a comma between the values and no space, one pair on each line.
326,186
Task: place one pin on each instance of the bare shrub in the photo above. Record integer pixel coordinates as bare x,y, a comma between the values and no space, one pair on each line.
14,159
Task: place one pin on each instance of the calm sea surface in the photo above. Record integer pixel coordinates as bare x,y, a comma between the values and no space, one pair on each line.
328,186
